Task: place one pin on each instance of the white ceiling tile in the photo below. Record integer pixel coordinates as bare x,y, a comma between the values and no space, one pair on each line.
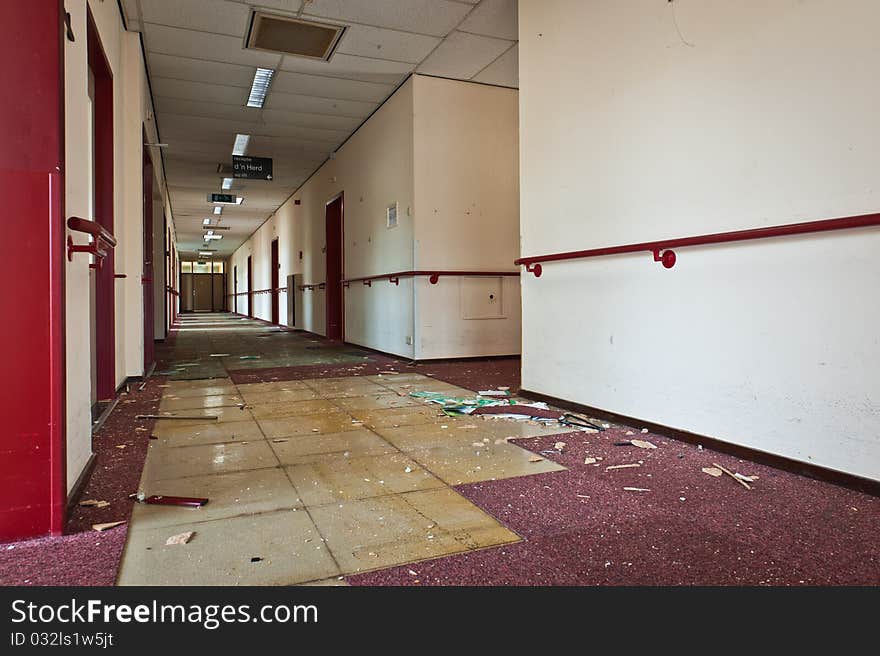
350,67
330,87
436,17
215,16
463,55
381,43
326,121
504,71
493,18
242,114
199,70
313,105
200,91
201,45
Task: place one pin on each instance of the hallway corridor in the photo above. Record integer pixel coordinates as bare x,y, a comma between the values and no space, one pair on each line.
321,468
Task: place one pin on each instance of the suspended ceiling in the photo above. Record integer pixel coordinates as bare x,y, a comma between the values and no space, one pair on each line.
201,74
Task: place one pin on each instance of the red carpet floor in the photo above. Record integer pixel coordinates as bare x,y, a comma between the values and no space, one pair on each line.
580,527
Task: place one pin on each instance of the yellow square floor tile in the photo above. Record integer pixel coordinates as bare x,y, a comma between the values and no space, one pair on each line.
279,396
214,389
221,552
466,463
293,409
229,495
332,389
171,434
195,416
385,399
396,417
274,386
173,403
164,464
301,449
425,435
333,422
380,532
343,479
465,521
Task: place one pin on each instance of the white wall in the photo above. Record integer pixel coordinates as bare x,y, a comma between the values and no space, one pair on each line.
373,168
467,193
131,109
629,134
446,153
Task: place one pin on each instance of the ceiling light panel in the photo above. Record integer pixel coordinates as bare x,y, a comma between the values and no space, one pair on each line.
241,144
260,87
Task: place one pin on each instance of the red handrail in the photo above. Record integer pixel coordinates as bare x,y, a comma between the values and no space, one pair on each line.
259,291
433,276
667,257
103,240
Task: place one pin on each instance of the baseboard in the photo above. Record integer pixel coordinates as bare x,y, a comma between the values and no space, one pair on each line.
82,479
850,481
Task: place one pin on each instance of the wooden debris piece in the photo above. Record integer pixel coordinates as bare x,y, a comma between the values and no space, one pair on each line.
632,464
559,446
535,459
87,503
643,444
712,471
733,476
636,489
189,417
589,461
106,525
180,538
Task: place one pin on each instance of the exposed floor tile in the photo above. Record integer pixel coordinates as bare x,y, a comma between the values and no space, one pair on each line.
172,434
278,396
301,449
466,463
331,422
165,464
292,409
344,478
176,403
222,552
396,417
229,495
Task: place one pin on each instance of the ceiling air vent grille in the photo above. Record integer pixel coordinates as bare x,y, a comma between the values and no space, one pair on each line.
293,36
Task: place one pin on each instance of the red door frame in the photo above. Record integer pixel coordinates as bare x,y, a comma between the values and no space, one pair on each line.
105,286
33,485
274,264
334,213
250,286
147,277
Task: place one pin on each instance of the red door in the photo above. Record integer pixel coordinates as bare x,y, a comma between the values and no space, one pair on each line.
147,276
273,276
32,441
250,287
335,317
105,283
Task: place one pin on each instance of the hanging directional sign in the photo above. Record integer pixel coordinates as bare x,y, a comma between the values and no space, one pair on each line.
252,168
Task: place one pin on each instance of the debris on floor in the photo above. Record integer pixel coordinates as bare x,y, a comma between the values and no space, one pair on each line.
589,460
559,446
187,417
636,489
712,471
87,503
536,459
189,502
180,538
643,444
106,526
632,464
733,476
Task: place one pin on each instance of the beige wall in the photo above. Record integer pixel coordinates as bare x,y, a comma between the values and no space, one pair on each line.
467,193
131,110
445,152
767,115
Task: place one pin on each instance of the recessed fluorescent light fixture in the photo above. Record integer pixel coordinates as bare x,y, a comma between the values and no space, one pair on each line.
206,253
241,144
210,232
260,87
227,183
210,237
206,221
218,210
